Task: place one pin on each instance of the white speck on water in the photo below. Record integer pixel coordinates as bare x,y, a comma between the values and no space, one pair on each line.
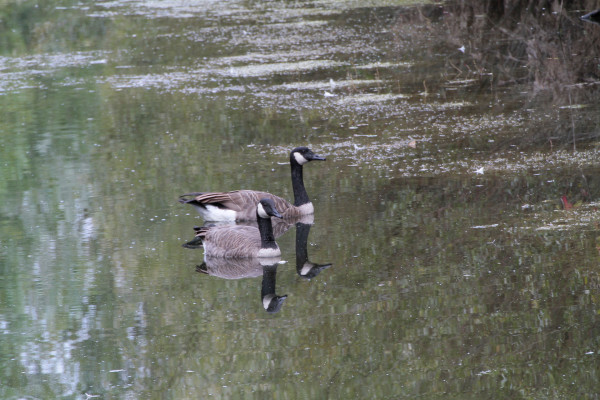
484,226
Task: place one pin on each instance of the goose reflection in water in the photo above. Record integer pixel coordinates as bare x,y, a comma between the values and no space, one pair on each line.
304,267
240,268
248,268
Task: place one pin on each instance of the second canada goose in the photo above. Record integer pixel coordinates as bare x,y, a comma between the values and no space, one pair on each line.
240,205
241,241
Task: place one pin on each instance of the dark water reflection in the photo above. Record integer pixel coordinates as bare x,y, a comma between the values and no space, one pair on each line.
441,260
265,267
248,268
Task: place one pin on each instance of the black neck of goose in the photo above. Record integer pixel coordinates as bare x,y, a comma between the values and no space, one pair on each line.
268,281
265,227
271,301
302,231
300,195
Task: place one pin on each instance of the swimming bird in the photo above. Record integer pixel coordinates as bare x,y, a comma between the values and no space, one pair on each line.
593,17
241,241
240,205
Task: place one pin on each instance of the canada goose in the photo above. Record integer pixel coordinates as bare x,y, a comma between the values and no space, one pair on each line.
240,241
593,17
240,205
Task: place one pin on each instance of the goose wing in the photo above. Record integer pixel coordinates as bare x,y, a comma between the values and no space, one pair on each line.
236,241
243,202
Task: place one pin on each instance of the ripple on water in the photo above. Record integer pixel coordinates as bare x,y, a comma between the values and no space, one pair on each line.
370,98
328,85
258,70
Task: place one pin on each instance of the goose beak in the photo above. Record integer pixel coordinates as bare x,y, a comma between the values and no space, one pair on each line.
276,214
275,304
317,157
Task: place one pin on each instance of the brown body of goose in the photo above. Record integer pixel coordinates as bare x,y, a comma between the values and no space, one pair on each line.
241,241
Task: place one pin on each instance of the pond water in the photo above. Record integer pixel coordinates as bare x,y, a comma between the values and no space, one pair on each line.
450,266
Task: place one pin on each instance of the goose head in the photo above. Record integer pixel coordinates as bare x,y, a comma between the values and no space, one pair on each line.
273,303
266,209
302,155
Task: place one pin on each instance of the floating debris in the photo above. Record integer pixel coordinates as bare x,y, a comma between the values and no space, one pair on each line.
370,98
383,65
485,226
257,70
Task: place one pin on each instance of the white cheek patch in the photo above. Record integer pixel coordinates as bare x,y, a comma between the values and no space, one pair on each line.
306,269
261,211
267,300
300,158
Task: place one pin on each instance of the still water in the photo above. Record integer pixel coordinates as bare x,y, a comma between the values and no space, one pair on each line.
446,264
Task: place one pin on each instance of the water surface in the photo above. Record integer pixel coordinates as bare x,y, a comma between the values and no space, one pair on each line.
455,271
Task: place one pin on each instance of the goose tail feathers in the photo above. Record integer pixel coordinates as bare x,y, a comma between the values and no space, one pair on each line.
185,198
